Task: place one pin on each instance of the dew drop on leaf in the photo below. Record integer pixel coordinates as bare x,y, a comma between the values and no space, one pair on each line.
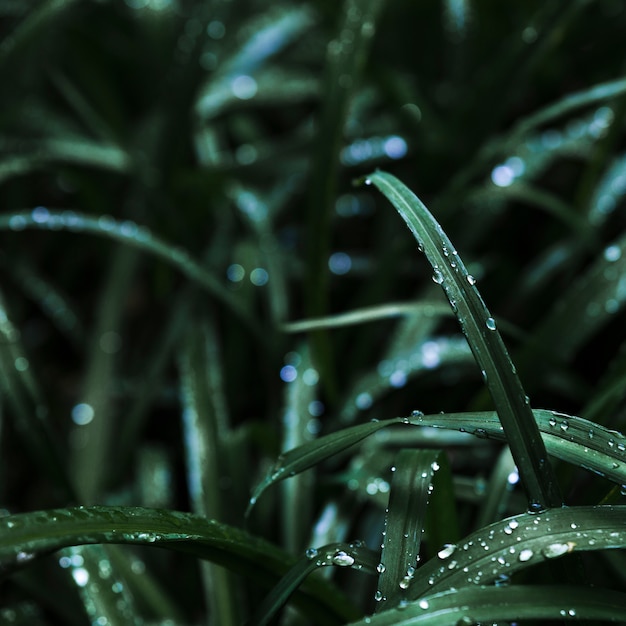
555,550
311,553
490,323
525,555
343,559
447,551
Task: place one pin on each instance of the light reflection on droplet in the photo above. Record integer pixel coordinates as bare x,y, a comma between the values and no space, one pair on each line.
80,576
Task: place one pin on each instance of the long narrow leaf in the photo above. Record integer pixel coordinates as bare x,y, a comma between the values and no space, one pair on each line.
485,341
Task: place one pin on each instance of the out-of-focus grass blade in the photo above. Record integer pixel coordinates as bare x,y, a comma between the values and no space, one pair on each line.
499,604
104,595
205,423
23,395
370,314
397,367
351,555
410,490
484,339
300,413
608,191
309,454
590,303
498,551
346,55
78,151
502,480
96,422
26,536
136,236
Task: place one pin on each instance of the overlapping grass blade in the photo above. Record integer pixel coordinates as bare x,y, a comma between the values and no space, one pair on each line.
411,487
498,604
484,339
135,236
27,536
508,546
352,555
569,438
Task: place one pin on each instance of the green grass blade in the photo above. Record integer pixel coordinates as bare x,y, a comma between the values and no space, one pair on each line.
511,545
503,604
135,236
309,454
205,424
484,339
569,438
411,486
343,555
26,536
369,314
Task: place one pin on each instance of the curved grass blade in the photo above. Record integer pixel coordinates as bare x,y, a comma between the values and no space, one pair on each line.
369,314
503,604
130,233
485,341
411,487
309,454
351,555
569,438
26,536
498,551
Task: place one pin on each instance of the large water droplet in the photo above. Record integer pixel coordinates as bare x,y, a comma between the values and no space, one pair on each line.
311,553
437,276
490,323
525,555
447,551
555,550
343,559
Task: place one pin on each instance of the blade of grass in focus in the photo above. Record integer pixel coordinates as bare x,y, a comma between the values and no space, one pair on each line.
484,339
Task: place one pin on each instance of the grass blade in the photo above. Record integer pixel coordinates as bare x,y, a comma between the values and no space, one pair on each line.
26,536
410,490
485,341
496,604
309,454
338,554
135,236
511,545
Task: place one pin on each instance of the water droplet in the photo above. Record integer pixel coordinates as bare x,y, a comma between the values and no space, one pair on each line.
423,604
368,181
311,553
555,550
405,582
378,596
525,555
490,323
380,568
552,422
564,425
447,551
435,466
343,559
437,276
471,280
417,414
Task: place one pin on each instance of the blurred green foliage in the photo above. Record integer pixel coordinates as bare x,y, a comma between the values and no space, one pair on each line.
177,188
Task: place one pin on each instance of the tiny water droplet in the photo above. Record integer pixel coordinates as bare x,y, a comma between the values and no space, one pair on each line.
471,280
368,181
490,323
311,553
423,604
380,568
417,413
378,596
552,422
